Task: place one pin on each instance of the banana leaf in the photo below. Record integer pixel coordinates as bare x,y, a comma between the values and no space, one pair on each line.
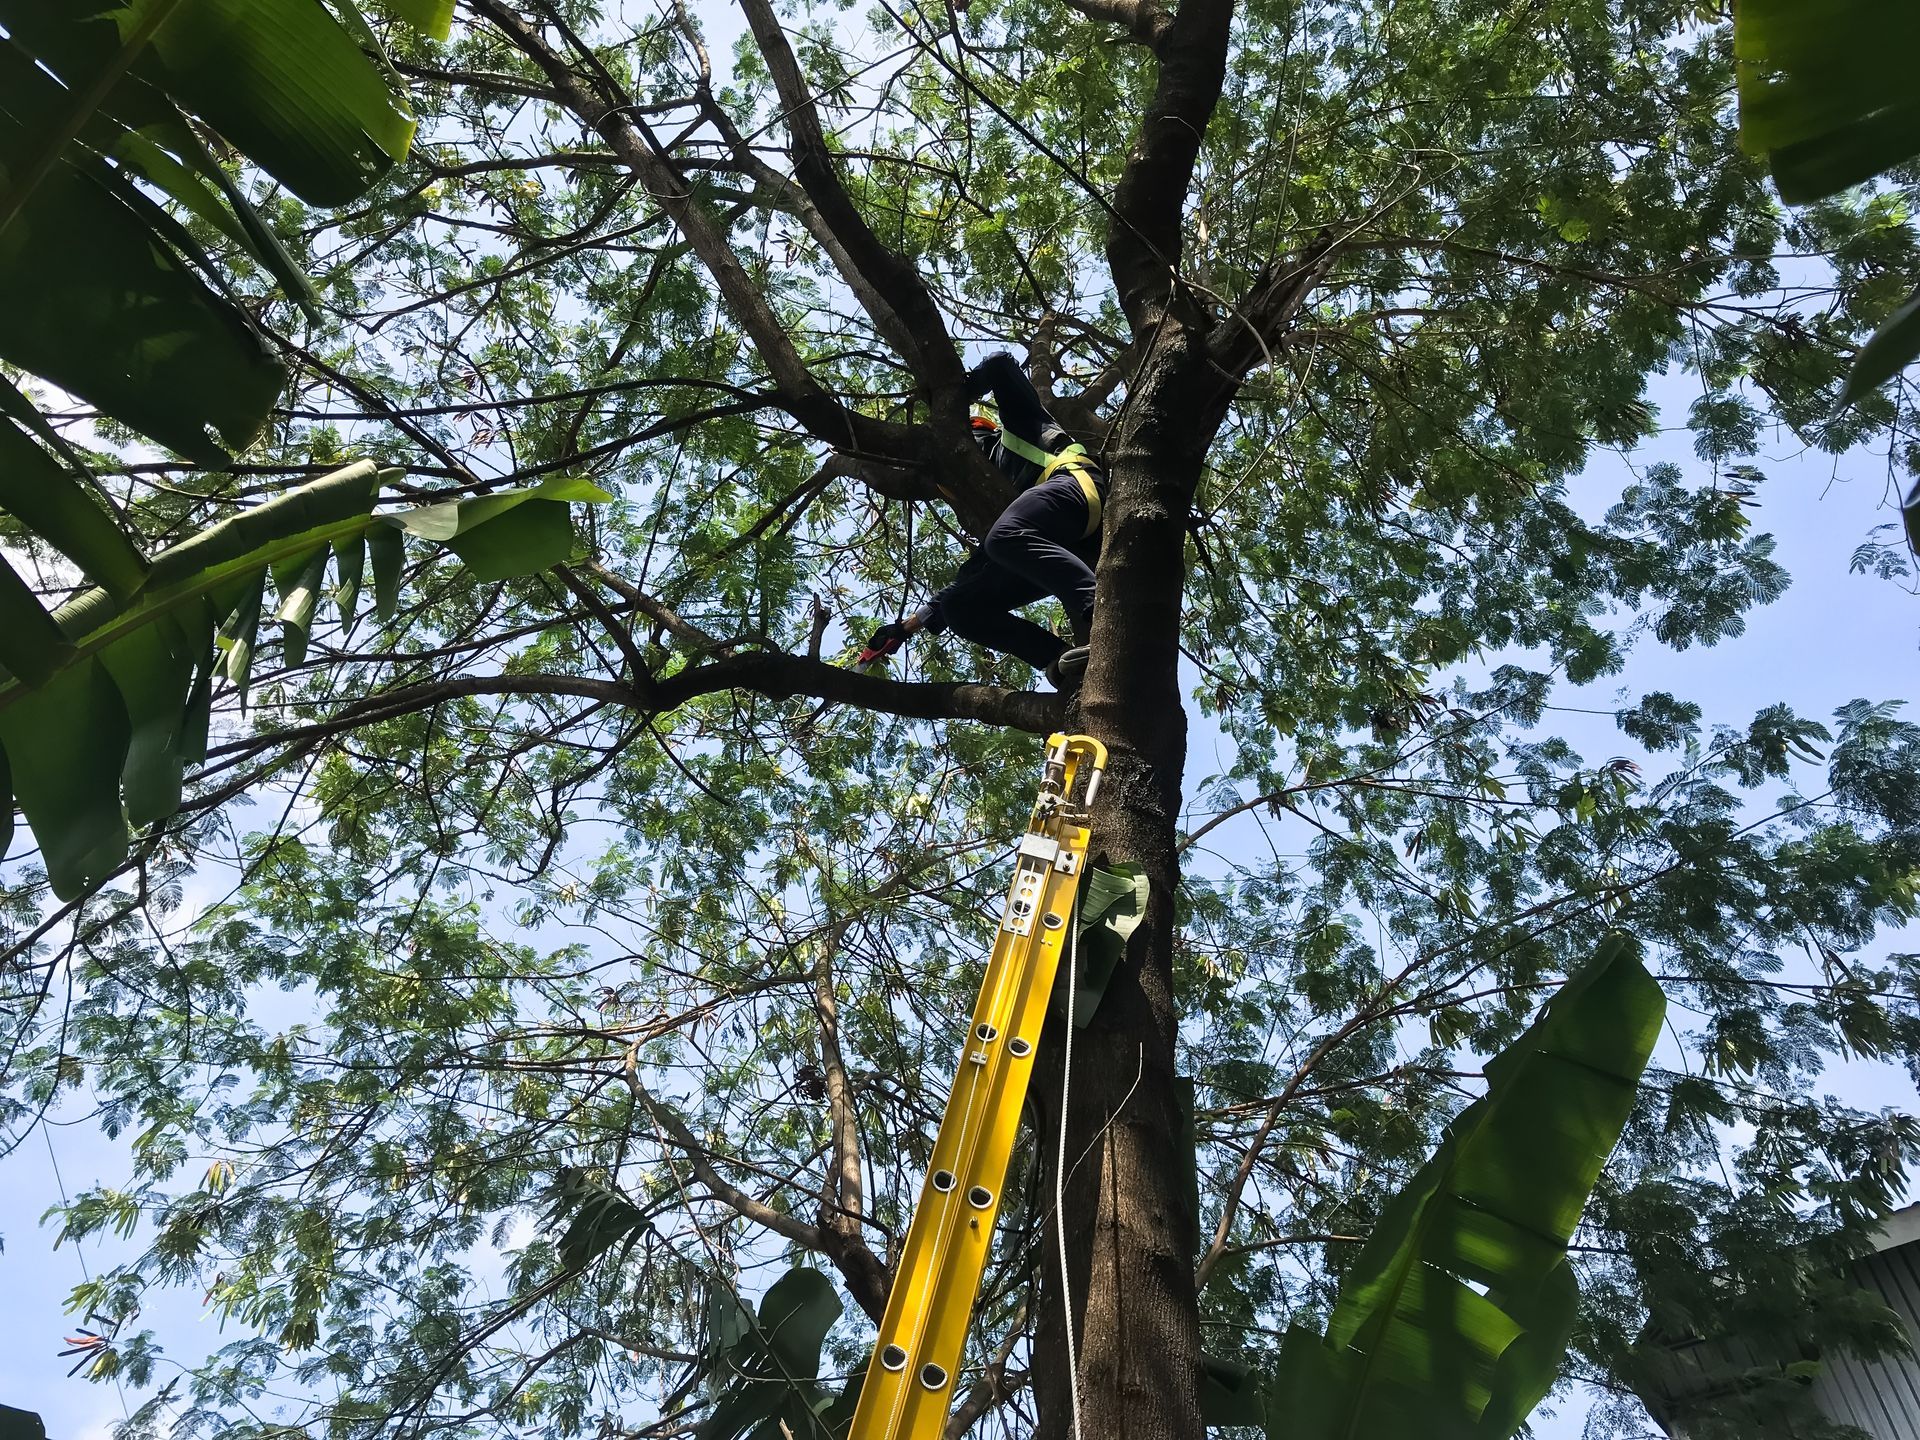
769,1372
597,1215
1826,95
102,291
100,724
1112,905
1457,1312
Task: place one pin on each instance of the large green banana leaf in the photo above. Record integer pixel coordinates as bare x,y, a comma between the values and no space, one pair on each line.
102,290
1826,91
765,1368
1113,901
105,701
1454,1319
1827,95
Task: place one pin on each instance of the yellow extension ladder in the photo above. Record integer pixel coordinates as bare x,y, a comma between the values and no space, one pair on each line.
909,1384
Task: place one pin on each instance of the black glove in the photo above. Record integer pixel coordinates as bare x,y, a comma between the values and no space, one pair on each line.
884,641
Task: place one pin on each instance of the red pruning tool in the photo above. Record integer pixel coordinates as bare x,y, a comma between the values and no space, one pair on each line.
886,641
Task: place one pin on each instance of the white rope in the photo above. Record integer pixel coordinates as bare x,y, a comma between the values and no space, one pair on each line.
1060,1163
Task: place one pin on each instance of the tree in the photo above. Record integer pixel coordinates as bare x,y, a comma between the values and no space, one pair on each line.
564,889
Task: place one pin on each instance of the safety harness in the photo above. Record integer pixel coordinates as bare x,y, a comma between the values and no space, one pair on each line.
1073,460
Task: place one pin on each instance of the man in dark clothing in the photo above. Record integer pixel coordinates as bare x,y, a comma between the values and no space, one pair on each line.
1044,543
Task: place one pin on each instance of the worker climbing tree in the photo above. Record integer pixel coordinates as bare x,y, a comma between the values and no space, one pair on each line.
1045,543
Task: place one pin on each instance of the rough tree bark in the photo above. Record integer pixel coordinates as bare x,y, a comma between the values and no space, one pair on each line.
1128,1215
1130,1229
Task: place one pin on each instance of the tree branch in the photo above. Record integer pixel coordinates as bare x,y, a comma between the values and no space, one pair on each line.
975,491
775,675
663,615
783,677
1146,23
630,137
474,80
993,1387
758,1211
1145,234
893,482
887,285
866,1276
1258,326
621,635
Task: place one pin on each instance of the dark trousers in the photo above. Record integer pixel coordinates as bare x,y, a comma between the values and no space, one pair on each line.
1038,547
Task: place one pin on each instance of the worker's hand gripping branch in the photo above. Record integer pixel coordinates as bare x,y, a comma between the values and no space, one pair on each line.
888,639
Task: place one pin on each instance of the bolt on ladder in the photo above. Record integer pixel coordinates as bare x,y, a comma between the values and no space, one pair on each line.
909,1384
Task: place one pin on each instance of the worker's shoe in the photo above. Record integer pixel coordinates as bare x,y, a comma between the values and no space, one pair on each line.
1067,672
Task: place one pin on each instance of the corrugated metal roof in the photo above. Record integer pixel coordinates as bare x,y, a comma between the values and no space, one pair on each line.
1881,1396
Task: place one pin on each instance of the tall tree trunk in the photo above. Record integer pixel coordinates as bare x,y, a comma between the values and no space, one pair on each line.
1131,1233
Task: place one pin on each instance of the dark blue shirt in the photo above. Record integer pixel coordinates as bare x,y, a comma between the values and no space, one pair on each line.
1020,412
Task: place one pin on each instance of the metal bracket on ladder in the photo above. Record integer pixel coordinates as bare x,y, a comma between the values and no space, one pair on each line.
910,1381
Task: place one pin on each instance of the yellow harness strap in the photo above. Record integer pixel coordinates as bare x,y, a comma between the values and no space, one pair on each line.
1073,460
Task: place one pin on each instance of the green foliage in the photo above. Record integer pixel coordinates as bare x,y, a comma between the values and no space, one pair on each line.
104,292
116,699
1110,909
446,902
767,1366
598,1217
1823,96
107,294
1455,1316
